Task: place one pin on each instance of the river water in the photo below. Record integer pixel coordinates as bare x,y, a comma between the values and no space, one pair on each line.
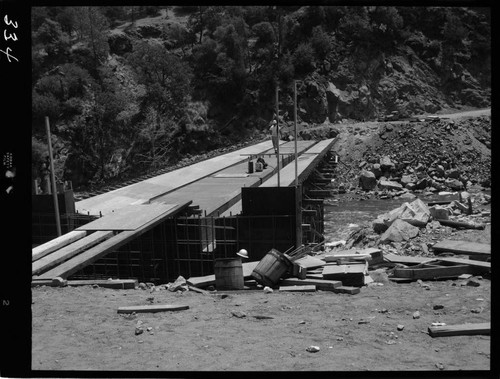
346,216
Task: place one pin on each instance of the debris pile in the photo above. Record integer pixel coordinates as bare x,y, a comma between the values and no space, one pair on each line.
432,156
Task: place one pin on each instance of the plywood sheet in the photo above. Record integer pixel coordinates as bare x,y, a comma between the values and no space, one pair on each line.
130,218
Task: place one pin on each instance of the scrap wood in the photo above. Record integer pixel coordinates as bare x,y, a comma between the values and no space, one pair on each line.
310,262
347,254
199,290
202,281
460,330
484,266
432,272
306,288
405,260
458,224
259,317
209,280
352,274
347,289
462,247
152,308
112,283
314,276
324,285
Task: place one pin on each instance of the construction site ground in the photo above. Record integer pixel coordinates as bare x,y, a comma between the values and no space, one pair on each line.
79,328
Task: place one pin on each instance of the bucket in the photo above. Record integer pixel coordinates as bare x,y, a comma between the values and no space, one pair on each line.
228,274
270,269
258,167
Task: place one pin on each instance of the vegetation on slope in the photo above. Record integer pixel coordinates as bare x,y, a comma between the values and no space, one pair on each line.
132,88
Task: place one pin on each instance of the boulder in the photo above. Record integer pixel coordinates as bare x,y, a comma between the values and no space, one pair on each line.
389,217
399,231
416,213
454,184
379,225
439,213
407,179
439,171
179,284
386,164
367,180
389,185
421,183
452,174
376,170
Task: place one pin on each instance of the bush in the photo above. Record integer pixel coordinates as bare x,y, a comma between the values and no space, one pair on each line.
303,59
320,42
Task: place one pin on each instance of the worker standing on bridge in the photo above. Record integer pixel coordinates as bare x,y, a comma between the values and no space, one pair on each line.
274,131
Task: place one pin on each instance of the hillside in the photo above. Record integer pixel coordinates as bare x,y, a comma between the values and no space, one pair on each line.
133,89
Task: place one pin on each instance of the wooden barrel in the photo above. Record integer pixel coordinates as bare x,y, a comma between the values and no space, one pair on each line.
270,268
228,274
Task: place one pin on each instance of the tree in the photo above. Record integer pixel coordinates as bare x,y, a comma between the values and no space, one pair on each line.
320,42
92,29
166,76
50,47
303,59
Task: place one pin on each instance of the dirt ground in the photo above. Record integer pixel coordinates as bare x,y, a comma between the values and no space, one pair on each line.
78,328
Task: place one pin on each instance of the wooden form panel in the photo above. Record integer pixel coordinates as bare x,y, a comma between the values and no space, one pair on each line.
130,218
87,257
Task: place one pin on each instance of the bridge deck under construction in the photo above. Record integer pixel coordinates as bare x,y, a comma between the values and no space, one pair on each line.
211,187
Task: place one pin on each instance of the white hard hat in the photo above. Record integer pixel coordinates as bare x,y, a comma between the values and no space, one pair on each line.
242,253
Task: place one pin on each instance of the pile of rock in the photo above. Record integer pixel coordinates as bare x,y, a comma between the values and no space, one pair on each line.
404,223
434,156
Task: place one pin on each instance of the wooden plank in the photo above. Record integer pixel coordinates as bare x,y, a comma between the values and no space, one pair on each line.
324,285
460,330
347,289
74,264
41,282
462,247
350,275
458,224
432,272
114,283
209,280
199,290
202,281
310,262
405,260
152,308
129,218
314,276
338,256
473,263
307,288
55,244
69,251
